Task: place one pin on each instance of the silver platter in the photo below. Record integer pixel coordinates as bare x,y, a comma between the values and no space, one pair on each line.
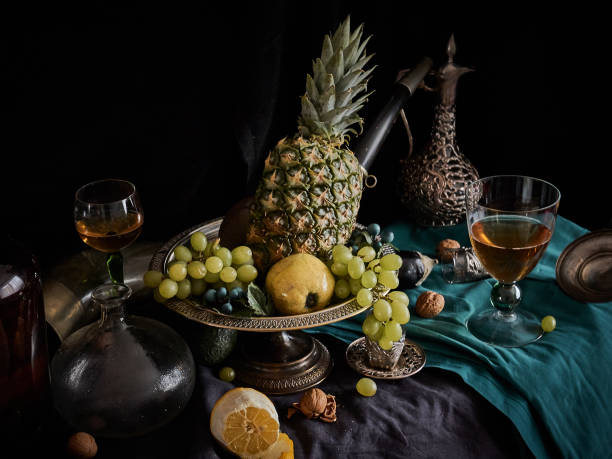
196,312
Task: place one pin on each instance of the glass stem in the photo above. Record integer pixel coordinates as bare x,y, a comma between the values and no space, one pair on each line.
505,298
114,265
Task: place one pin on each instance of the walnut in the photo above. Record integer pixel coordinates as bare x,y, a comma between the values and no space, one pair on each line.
315,404
443,249
429,304
82,445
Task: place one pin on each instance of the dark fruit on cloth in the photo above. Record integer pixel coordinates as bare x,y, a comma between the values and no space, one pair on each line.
415,268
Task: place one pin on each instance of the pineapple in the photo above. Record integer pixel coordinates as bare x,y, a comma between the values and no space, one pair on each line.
308,197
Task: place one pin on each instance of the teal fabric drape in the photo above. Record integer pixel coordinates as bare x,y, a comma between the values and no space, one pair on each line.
559,387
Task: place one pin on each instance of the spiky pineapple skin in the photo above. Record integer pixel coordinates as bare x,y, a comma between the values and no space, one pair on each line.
307,200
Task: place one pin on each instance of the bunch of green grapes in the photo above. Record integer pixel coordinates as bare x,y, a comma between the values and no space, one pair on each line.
203,266
358,274
384,324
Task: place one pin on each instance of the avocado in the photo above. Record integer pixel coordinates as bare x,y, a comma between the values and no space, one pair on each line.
210,345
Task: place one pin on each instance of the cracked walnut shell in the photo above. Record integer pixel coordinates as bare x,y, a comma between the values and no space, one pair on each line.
315,404
429,304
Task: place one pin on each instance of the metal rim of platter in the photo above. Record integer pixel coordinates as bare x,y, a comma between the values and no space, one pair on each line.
584,268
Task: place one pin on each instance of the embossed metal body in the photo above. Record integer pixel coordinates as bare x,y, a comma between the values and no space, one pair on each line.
432,182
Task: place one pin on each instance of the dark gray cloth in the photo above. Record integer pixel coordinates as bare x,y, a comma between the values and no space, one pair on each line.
432,414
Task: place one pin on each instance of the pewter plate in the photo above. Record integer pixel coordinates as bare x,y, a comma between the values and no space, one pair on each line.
584,268
411,361
198,313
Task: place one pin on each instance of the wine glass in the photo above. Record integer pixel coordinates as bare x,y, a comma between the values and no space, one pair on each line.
109,217
510,220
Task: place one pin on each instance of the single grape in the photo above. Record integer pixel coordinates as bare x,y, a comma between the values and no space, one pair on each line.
221,294
214,264
198,286
211,278
387,236
371,327
367,253
391,262
374,229
337,250
342,255
399,296
399,312
157,296
210,296
198,241
246,273
227,374
226,308
342,289
235,293
241,255
178,271
196,269
168,288
385,343
339,269
356,267
182,253
388,279
393,331
549,323
382,310
364,297
228,274
369,279
366,387
225,255
355,285
184,289
152,279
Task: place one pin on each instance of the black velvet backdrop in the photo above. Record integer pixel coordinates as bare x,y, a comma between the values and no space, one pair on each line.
186,101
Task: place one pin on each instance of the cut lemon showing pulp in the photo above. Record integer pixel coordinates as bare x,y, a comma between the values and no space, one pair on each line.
245,422
282,449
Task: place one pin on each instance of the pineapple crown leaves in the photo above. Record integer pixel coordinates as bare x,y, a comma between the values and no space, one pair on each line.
330,104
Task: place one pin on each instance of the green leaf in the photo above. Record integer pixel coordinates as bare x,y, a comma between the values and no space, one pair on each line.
258,301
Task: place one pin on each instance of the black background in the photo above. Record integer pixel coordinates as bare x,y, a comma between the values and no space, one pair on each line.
185,101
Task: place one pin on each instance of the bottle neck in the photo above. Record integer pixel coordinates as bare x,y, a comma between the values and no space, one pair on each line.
443,129
112,313
111,298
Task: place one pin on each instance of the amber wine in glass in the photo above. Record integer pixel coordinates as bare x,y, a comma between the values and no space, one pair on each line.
109,217
510,221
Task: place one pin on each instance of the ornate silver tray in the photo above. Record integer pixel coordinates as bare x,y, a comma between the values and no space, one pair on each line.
199,313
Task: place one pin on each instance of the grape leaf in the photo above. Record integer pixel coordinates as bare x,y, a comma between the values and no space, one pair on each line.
258,302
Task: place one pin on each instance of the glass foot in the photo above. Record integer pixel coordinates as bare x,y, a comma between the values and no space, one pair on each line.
513,329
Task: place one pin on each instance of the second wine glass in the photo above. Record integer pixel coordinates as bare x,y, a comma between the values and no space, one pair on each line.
109,217
510,220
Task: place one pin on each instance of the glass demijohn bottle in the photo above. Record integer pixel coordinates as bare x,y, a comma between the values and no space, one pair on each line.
124,375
